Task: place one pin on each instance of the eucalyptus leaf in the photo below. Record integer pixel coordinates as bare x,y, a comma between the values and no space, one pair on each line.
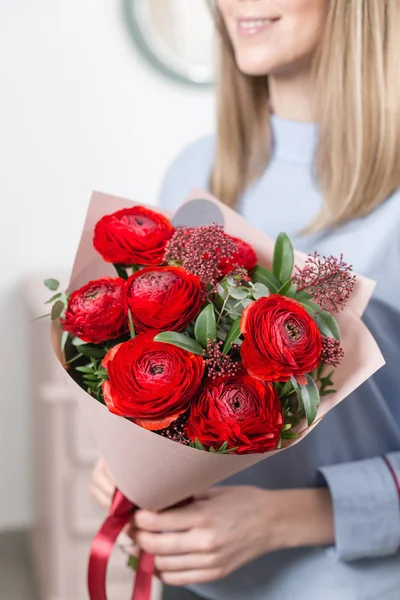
39,318
327,324
53,298
52,284
260,291
206,326
233,308
239,293
263,275
64,339
247,302
232,336
309,395
179,340
283,262
78,342
57,310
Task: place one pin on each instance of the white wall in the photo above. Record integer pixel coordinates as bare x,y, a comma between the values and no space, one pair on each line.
79,110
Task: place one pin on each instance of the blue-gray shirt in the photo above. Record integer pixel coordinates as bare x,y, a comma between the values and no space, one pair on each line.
344,451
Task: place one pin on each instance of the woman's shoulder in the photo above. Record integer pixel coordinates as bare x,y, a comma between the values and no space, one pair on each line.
190,169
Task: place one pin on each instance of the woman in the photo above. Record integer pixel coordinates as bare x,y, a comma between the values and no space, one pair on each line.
320,521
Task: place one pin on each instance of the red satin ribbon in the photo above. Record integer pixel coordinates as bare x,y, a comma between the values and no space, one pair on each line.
121,513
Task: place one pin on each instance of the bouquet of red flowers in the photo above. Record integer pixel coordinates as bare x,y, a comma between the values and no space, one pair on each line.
204,342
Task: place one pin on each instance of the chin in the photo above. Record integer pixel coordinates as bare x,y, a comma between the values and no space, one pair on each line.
256,65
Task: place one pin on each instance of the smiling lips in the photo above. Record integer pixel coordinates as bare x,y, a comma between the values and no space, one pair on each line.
254,26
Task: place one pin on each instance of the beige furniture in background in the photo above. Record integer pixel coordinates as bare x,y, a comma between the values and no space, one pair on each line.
65,517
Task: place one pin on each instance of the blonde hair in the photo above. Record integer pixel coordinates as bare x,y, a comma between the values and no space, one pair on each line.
358,113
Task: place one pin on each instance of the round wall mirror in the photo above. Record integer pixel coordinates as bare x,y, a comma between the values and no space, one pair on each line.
176,35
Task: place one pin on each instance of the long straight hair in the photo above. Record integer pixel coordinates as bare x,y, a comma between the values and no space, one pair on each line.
357,75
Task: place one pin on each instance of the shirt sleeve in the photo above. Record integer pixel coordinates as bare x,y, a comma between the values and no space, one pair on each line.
366,504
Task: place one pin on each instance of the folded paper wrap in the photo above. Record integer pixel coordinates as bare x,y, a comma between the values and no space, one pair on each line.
152,471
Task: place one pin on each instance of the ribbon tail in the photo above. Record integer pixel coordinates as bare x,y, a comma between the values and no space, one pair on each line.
144,577
120,514
100,553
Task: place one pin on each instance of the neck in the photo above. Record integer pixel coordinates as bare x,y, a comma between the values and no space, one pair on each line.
292,95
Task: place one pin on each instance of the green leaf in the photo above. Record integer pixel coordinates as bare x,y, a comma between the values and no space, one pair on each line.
90,377
52,284
132,562
327,324
287,388
310,398
289,435
287,427
92,385
57,310
232,336
260,291
311,307
263,275
54,298
206,326
179,340
84,370
92,351
198,444
131,325
77,342
327,392
239,293
283,262
64,339
41,317
288,289
303,295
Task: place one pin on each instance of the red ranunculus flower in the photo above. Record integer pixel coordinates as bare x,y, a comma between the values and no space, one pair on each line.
96,312
164,298
245,257
133,236
150,382
281,339
240,410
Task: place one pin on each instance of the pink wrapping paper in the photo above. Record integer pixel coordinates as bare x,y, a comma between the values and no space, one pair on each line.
154,472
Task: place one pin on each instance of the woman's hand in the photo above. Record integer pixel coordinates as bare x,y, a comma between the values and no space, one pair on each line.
230,526
102,486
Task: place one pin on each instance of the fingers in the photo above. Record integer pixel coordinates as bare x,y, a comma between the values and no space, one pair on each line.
102,486
177,519
186,562
193,541
184,578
